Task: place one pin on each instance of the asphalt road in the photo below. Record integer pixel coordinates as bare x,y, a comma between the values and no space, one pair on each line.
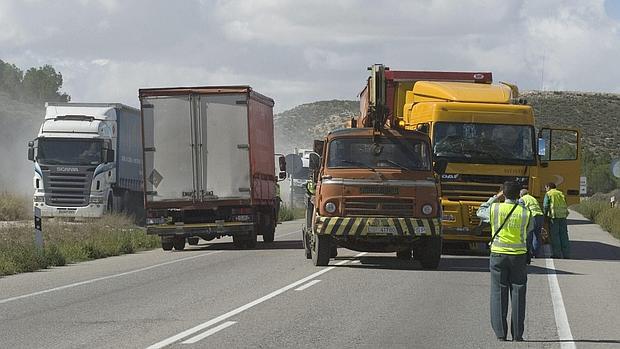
272,297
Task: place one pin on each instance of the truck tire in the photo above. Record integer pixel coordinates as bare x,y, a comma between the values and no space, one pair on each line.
239,241
166,245
404,255
179,243
269,229
306,242
250,241
430,253
193,241
321,250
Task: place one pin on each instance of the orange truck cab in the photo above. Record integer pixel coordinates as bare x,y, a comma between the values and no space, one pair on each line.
374,190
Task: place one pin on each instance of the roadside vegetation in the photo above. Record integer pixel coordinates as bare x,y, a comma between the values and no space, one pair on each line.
70,242
288,214
598,210
14,207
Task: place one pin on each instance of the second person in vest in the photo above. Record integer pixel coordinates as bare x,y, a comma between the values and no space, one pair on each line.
554,207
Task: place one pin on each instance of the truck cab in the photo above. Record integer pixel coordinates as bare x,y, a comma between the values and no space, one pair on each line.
375,191
87,160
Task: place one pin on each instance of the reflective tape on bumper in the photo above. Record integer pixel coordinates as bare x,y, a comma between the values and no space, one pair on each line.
377,226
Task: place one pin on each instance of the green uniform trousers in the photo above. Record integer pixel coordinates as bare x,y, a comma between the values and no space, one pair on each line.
559,238
508,278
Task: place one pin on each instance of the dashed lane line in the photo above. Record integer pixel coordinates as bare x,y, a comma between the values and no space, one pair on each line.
209,332
245,307
309,284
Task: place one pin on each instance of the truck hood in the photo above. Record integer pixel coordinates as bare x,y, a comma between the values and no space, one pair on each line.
95,127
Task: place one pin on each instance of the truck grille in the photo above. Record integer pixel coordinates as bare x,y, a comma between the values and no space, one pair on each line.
476,187
67,189
379,206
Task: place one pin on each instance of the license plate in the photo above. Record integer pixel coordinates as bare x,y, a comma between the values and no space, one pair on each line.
382,230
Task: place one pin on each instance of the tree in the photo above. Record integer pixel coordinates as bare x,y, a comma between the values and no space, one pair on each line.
10,79
43,85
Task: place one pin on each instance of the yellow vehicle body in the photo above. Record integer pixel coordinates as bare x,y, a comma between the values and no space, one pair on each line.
433,106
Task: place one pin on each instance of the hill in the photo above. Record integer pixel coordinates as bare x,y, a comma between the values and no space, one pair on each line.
597,115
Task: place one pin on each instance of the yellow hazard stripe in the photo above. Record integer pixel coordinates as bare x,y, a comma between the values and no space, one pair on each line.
340,226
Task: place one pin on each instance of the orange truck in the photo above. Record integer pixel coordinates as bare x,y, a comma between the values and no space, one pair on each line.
374,189
485,132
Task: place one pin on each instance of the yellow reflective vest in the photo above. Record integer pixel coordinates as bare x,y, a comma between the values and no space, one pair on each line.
557,204
532,204
512,238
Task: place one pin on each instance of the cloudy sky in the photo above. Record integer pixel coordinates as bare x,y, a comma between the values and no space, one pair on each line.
304,51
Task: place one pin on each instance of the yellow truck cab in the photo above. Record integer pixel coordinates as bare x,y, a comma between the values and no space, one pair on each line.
375,191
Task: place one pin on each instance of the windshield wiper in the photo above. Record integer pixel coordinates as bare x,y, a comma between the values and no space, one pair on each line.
359,163
402,167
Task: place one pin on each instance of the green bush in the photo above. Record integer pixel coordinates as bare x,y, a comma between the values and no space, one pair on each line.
288,214
13,207
602,214
70,242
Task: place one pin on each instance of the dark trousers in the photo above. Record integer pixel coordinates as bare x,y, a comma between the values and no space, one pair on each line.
508,277
534,240
559,238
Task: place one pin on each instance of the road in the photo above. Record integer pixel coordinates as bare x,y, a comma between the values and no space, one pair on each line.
215,296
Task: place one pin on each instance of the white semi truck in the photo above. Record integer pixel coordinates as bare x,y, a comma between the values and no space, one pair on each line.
88,160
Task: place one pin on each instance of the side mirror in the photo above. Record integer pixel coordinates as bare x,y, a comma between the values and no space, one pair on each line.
109,155
440,166
282,175
542,151
282,164
317,147
314,161
30,151
422,128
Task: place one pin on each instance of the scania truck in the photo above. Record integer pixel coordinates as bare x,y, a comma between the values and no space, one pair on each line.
486,133
209,167
88,160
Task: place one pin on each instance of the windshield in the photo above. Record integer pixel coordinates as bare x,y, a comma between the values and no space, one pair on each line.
69,151
484,143
402,153
302,173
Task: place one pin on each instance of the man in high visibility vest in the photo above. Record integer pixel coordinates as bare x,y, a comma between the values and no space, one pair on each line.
555,207
534,241
510,225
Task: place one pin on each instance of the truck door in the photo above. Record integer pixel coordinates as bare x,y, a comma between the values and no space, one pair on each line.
225,152
168,148
558,151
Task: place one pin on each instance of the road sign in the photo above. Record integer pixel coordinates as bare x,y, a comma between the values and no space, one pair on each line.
293,163
615,168
38,234
583,185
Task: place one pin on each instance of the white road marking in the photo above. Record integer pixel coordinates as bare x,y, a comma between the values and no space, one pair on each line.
561,320
209,332
291,233
309,284
245,307
86,282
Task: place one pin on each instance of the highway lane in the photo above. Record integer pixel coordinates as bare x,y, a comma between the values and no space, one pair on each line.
216,296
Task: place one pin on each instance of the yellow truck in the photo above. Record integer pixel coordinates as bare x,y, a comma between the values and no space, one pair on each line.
486,133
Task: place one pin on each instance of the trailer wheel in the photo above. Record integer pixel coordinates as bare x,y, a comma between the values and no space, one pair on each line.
179,243
239,241
321,250
430,253
166,245
307,248
269,230
250,241
404,255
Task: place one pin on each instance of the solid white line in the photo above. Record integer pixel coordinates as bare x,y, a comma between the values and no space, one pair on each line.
561,320
309,284
209,332
6,300
243,308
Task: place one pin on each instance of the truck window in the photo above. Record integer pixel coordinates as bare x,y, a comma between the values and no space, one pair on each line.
403,153
69,152
484,143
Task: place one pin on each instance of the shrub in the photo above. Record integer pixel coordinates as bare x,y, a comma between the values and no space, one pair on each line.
602,214
14,207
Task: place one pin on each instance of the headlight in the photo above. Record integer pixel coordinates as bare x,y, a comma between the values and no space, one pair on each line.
330,207
427,209
157,220
96,199
39,198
